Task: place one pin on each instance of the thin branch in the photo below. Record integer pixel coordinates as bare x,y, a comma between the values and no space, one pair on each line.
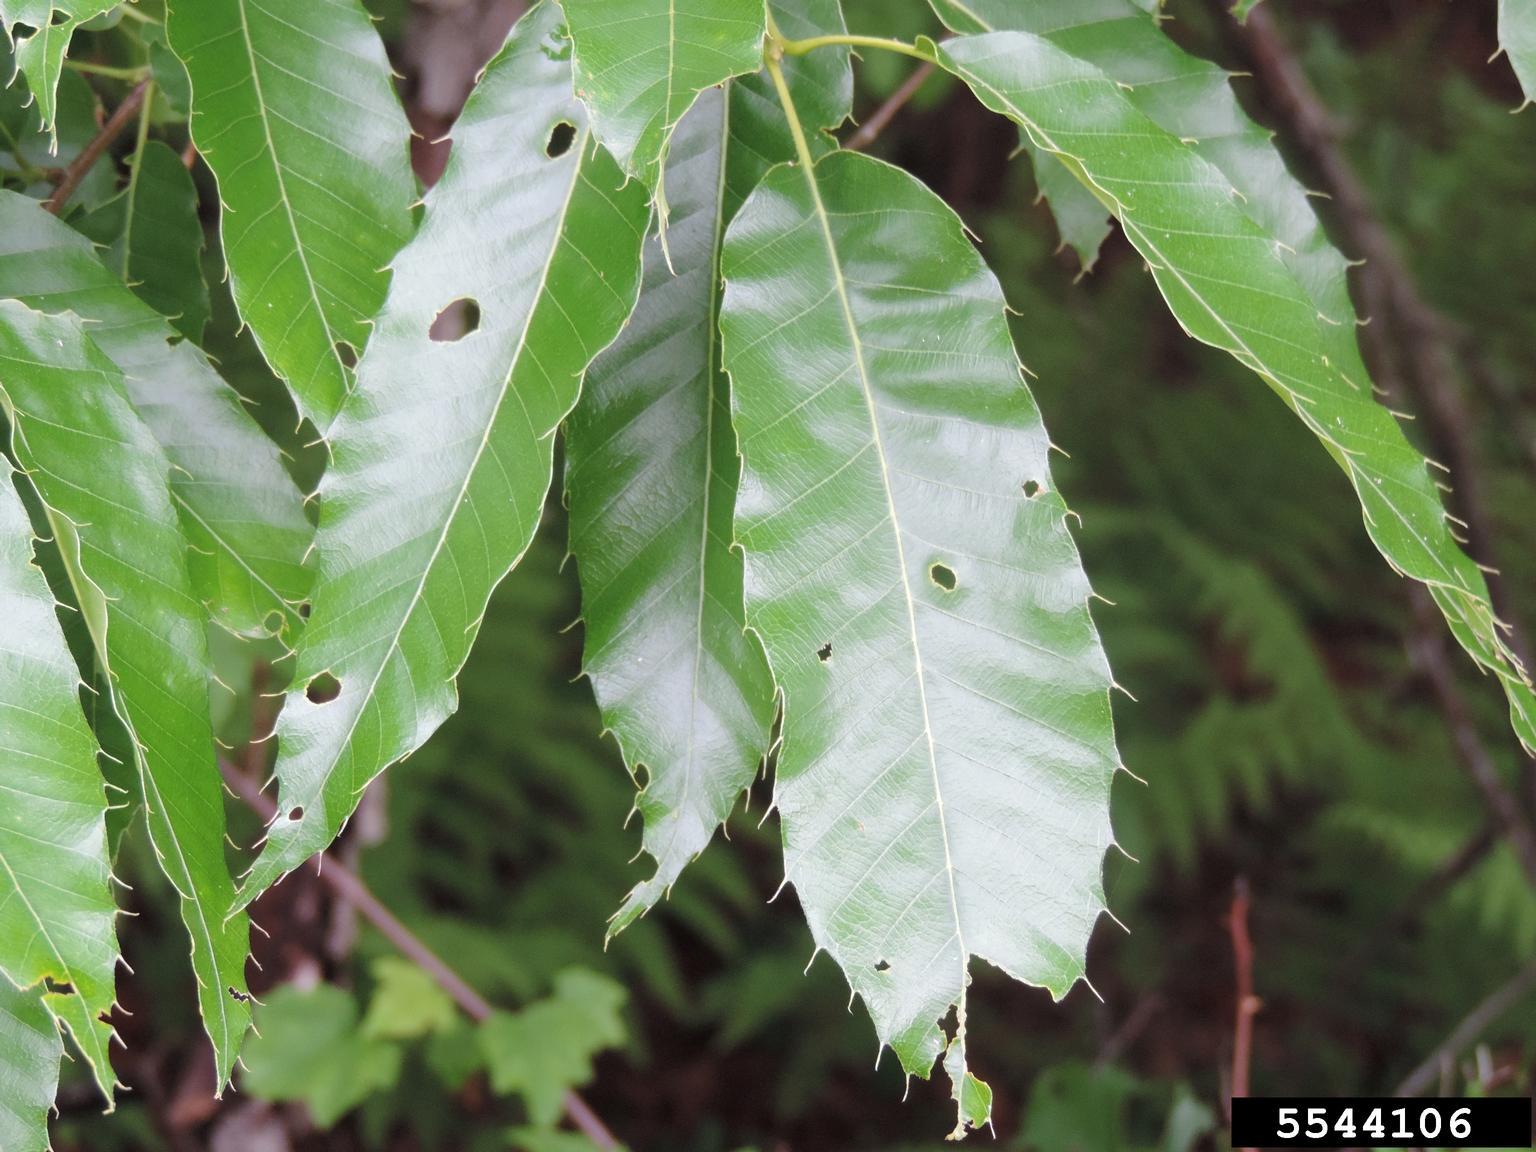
1474,1025
1427,650
882,116
1415,348
348,886
122,116
1247,1003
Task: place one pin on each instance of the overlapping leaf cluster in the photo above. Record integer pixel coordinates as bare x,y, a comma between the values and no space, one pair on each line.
810,492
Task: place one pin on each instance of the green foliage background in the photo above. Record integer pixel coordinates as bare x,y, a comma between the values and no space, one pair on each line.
1277,722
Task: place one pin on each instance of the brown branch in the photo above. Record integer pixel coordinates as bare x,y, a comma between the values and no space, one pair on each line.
122,116
1476,1022
1247,1003
1427,650
882,116
1413,347
348,886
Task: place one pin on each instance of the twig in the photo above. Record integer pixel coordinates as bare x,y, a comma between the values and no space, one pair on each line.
1427,649
881,117
1414,346
1130,1029
1247,1003
348,886
1473,1026
122,116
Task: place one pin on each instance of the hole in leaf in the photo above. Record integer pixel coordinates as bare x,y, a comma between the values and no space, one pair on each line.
456,321
1031,489
346,354
824,653
323,689
59,17
950,1024
174,339
943,575
561,137
304,610
883,966
296,813
236,994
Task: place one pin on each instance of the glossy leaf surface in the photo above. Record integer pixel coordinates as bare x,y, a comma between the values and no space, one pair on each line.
651,476
1245,268
40,53
56,909
651,473
943,783
443,455
241,513
640,64
104,483
1517,37
294,110
155,239
30,1051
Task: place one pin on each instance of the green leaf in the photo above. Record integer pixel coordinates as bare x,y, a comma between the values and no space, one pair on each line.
40,54
1517,37
1080,218
443,455
30,1051
1243,265
56,909
407,1003
104,484
28,155
547,1048
943,783
240,511
308,1047
651,475
294,110
549,1140
640,64
155,240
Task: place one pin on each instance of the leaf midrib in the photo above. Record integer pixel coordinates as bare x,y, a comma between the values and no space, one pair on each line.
469,474
1129,224
841,287
282,189
75,573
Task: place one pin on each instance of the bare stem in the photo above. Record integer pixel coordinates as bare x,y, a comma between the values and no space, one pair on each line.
348,886
880,119
122,116
1500,1001
1247,1003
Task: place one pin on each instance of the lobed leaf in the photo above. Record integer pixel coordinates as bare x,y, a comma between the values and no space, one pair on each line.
547,1048
943,782
56,909
102,481
40,51
30,1051
309,1047
640,64
1517,38
651,477
1238,255
241,513
294,111
443,454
